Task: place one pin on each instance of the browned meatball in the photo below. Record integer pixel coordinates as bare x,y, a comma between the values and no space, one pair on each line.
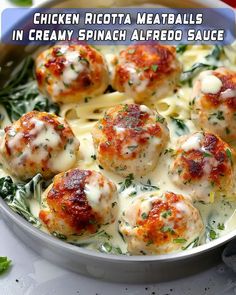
129,139
214,103
79,201
202,164
68,73
146,71
158,223
38,142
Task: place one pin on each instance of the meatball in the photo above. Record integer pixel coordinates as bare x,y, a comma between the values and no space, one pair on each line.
214,103
158,223
146,71
69,73
203,166
79,202
38,143
129,139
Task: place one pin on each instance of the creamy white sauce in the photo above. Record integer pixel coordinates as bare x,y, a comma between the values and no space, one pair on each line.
221,211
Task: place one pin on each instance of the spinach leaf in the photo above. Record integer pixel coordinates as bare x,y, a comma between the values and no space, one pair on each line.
216,52
109,249
192,244
17,196
4,264
181,48
180,127
20,95
187,76
127,183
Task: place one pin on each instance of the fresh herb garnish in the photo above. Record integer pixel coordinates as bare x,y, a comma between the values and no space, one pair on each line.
180,240
229,154
154,68
221,226
144,215
166,229
160,119
4,264
192,244
166,214
127,182
212,234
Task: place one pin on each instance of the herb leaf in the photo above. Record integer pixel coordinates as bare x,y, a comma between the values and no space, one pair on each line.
20,95
181,48
127,182
181,127
4,264
187,76
17,196
180,240
216,52
192,244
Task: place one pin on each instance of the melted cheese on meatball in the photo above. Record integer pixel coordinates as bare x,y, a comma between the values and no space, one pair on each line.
146,71
202,164
38,143
160,223
129,139
69,73
214,102
79,202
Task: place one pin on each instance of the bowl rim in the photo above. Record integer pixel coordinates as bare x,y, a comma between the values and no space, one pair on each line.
53,241
87,253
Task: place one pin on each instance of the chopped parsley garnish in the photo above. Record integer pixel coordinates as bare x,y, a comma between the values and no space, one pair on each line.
58,53
60,126
166,214
180,240
4,264
144,215
206,155
127,182
229,154
221,226
212,234
166,229
154,68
